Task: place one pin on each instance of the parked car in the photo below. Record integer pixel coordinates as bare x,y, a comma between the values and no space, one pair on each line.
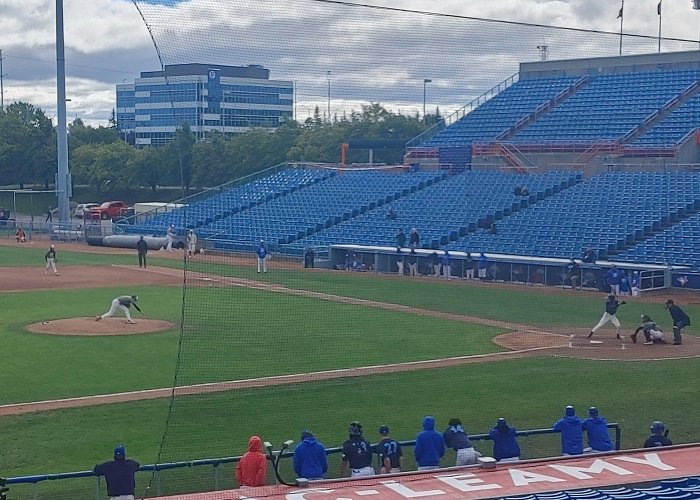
108,210
83,208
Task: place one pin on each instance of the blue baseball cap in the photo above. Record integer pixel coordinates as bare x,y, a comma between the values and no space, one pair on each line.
119,451
384,430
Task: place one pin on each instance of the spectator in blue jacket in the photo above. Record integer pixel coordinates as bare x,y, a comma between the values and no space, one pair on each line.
119,474
430,446
456,438
680,321
505,446
310,457
571,432
596,428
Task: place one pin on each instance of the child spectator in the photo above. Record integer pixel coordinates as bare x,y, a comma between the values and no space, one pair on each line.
251,470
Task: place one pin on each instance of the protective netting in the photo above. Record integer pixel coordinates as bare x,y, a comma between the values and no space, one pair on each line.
278,338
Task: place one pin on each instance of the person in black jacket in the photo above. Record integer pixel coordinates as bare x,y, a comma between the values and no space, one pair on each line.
611,306
659,436
680,321
142,249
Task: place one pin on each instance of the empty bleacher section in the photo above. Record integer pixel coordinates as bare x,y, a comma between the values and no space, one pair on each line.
317,207
502,112
687,488
447,210
609,107
679,244
610,212
675,127
236,199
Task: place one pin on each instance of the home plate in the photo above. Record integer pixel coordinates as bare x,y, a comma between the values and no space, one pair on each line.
595,341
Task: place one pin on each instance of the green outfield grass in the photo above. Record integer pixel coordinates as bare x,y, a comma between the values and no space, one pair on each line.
75,439
252,341
234,332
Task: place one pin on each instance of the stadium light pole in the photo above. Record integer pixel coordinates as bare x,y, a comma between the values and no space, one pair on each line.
62,175
426,81
328,78
696,6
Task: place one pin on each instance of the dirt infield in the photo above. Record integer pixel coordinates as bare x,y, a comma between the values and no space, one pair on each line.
88,327
22,279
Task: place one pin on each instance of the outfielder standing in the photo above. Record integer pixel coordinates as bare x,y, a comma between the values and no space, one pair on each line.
611,306
50,258
123,302
261,252
191,243
142,250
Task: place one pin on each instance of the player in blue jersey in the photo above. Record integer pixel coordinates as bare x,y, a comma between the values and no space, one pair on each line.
389,451
262,253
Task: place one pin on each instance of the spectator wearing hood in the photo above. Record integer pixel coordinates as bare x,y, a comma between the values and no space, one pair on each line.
310,459
456,438
251,470
596,428
571,432
357,453
430,446
505,446
119,474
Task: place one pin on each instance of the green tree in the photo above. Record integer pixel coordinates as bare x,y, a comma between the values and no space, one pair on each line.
211,164
81,134
147,166
105,167
180,148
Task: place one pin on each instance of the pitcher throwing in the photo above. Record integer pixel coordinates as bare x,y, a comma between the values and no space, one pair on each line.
123,302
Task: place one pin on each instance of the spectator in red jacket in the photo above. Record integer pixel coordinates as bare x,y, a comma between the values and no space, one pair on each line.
251,470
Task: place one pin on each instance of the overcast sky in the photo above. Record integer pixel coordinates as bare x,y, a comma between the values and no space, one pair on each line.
373,55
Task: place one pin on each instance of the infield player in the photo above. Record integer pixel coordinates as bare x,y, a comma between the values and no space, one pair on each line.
50,258
652,333
170,236
123,302
610,314
261,252
191,244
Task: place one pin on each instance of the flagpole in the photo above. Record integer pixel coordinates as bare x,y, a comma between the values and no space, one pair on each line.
659,12
622,18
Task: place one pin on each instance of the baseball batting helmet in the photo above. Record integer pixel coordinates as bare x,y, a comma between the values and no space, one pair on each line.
355,428
657,427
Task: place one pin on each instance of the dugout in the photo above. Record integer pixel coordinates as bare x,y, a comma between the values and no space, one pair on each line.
504,268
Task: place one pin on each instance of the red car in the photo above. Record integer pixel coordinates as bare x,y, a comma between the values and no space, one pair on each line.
107,210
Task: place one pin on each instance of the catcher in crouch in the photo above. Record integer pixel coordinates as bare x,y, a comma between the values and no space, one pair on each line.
652,333
123,302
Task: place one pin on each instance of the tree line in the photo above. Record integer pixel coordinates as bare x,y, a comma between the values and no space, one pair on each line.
101,158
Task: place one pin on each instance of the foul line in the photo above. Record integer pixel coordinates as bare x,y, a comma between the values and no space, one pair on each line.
212,387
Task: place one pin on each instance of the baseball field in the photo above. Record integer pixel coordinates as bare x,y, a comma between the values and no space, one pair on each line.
272,354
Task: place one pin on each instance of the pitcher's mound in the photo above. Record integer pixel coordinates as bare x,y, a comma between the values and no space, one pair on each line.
110,326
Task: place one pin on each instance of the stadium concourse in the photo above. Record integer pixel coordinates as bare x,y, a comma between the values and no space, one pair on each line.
597,477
